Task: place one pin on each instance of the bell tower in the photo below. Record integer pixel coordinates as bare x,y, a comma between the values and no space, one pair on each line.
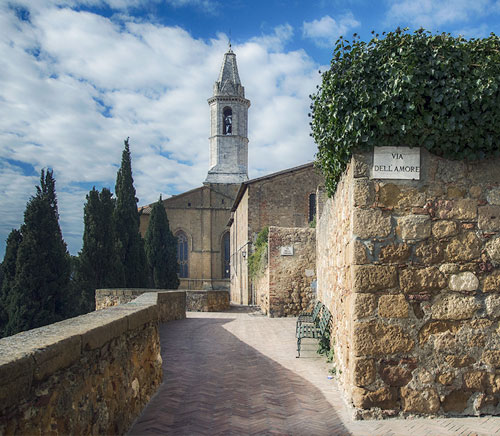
228,126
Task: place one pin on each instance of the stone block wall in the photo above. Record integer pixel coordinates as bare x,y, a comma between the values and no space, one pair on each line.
113,297
333,265
207,301
92,374
171,304
284,288
261,288
411,273
179,301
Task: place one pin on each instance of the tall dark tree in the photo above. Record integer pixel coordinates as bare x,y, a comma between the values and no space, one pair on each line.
130,245
39,293
8,271
161,250
98,262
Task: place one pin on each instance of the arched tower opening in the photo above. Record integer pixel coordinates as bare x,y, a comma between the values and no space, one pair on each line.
227,118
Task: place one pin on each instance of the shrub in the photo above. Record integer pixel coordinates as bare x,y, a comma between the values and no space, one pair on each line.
408,89
258,259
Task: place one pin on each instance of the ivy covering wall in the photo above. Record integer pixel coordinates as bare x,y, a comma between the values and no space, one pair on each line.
408,89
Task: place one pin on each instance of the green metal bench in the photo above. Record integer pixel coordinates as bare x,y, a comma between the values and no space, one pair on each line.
312,330
309,317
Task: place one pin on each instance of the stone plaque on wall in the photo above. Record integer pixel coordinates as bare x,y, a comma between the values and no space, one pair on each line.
396,163
287,250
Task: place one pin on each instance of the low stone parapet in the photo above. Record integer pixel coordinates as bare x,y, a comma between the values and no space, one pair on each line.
113,297
207,301
92,374
194,301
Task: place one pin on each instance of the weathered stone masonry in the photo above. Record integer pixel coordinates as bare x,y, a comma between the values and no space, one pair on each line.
196,301
92,374
411,273
285,287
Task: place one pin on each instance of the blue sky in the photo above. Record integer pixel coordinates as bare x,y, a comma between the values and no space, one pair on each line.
79,76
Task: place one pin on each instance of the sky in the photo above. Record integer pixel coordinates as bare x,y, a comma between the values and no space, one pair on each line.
77,77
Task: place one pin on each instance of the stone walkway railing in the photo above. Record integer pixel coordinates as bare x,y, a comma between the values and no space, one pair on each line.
196,301
91,374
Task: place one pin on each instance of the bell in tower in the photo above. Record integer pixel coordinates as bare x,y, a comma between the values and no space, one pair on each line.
228,126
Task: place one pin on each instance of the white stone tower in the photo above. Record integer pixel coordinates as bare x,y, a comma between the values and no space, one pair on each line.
228,126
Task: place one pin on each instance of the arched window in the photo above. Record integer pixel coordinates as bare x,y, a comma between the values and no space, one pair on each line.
312,207
182,254
226,255
227,116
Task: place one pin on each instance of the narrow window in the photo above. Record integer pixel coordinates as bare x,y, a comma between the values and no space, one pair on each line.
182,254
312,207
227,116
226,253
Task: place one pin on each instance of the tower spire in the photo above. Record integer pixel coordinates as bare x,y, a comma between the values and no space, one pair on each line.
229,125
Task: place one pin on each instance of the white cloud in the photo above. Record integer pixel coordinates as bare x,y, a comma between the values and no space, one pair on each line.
206,5
431,14
481,31
277,40
74,85
325,31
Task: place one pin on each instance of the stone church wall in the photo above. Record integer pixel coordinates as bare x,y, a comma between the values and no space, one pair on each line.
285,287
281,200
239,253
411,273
92,374
202,214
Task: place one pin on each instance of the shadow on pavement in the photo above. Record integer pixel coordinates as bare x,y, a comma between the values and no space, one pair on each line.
215,384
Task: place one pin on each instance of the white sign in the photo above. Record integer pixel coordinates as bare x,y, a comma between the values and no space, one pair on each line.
396,163
287,250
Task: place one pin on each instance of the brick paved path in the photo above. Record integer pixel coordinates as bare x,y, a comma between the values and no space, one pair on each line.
235,373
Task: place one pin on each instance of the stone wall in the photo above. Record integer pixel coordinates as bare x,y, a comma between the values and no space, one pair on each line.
284,288
207,301
280,199
202,214
411,273
196,301
91,374
113,297
240,250
261,288
333,259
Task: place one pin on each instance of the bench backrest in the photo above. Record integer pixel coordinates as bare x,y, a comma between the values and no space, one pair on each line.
317,309
324,321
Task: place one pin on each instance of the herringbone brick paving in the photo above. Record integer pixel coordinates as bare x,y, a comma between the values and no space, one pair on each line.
235,373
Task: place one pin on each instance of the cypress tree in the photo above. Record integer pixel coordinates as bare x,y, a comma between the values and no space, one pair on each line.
98,263
39,293
130,245
8,271
161,249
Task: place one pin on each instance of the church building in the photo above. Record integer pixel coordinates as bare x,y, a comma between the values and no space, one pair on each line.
200,219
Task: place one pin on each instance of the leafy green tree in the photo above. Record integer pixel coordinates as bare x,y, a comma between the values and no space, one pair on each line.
39,293
130,245
161,250
8,270
408,89
97,265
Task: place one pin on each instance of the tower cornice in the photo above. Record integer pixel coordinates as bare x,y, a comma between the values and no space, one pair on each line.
228,99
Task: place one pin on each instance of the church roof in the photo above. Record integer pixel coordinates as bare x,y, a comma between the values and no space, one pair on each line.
229,80
244,185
